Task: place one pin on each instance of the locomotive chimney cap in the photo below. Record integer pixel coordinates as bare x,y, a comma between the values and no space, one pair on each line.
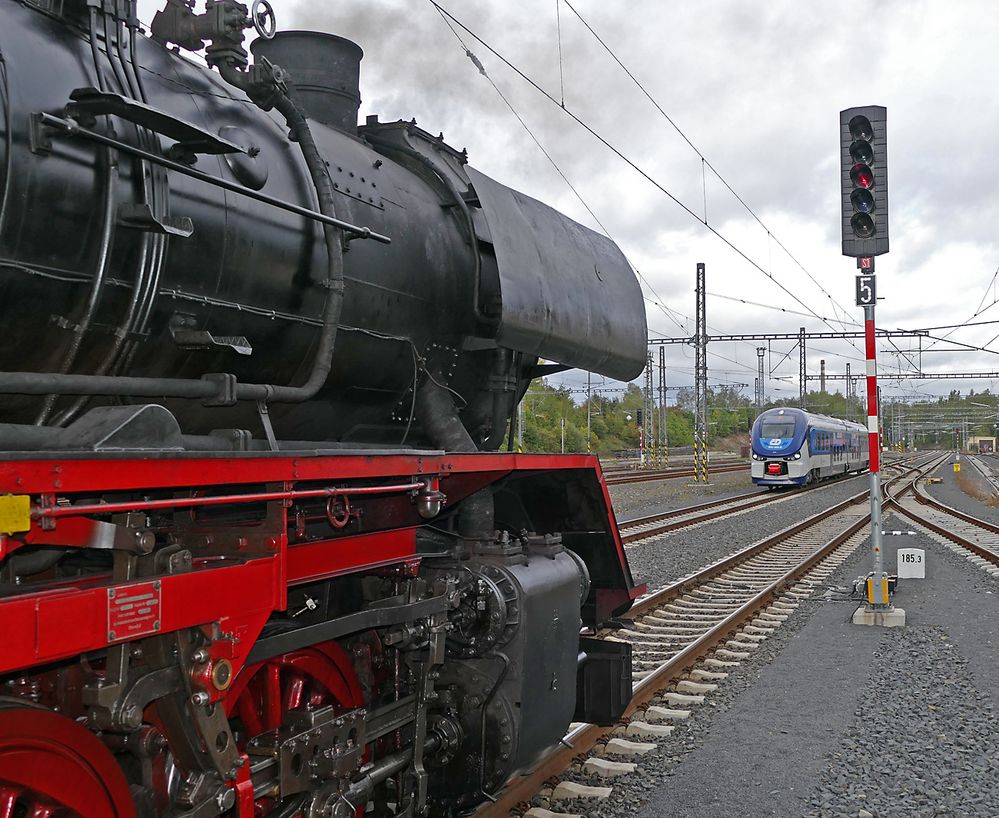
325,70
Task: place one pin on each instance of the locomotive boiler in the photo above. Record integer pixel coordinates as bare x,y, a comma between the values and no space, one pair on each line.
260,552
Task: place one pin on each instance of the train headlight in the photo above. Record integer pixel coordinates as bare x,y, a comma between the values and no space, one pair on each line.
797,456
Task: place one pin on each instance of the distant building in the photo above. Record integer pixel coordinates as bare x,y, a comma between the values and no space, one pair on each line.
982,445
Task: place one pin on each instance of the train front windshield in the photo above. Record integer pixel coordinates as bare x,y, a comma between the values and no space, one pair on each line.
777,428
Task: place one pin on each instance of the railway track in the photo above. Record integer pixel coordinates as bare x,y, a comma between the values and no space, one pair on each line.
986,471
653,525
620,478
686,637
978,539
683,461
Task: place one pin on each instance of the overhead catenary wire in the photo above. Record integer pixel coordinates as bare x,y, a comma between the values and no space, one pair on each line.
448,18
784,310
705,163
987,288
619,153
978,311
657,301
452,22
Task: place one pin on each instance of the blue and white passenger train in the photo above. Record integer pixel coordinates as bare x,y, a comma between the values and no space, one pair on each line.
794,447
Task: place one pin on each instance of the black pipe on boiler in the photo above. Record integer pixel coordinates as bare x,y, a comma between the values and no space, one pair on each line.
437,414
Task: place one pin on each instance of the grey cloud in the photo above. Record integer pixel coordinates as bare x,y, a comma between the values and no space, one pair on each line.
756,86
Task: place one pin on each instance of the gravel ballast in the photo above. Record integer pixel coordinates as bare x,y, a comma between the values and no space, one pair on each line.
831,719
651,496
661,560
951,494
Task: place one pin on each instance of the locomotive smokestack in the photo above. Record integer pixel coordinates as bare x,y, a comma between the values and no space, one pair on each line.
326,71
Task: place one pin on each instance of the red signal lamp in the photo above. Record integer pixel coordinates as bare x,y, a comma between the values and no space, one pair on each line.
862,176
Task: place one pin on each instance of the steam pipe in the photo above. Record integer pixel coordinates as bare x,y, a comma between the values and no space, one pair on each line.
103,256
96,288
323,361
16,437
437,414
120,333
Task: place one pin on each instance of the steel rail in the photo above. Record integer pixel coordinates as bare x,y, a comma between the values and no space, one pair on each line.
678,463
740,502
953,536
760,497
753,499
639,477
586,736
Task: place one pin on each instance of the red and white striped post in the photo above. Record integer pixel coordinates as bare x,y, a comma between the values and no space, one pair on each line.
873,435
866,265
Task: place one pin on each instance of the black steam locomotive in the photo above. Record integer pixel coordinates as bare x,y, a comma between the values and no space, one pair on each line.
260,552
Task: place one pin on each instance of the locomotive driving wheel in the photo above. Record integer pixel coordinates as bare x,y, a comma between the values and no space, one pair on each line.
52,767
264,694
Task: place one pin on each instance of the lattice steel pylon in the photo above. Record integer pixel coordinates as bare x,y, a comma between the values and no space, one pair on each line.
761,396
701,380
663,430
802,368
651,459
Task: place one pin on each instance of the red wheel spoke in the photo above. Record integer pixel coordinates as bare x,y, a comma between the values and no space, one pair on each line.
248,714
294,687
272,714
8,800
263,694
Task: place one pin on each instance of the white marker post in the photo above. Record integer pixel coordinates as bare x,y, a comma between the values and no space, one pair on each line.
911,563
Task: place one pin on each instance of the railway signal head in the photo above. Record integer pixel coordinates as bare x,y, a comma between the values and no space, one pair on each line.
864,180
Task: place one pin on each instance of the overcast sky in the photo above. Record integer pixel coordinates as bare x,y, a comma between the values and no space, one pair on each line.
757,89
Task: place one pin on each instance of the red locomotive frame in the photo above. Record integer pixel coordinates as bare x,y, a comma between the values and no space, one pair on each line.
236,586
